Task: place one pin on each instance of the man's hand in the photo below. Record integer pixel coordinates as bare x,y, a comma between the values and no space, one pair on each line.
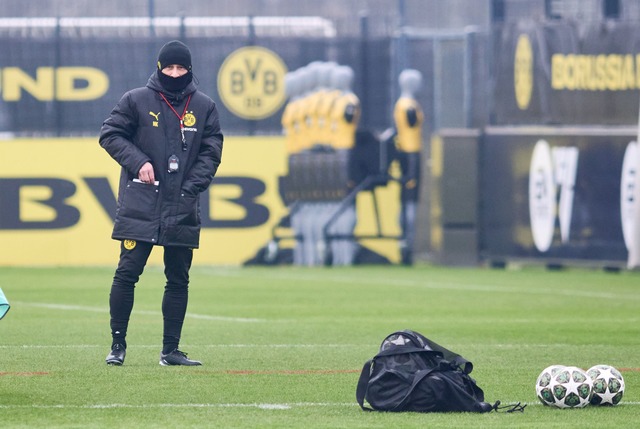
146,173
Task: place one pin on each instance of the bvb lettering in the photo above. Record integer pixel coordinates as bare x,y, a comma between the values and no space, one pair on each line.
62,213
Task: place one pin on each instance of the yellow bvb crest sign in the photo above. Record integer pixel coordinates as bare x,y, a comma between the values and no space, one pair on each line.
251,82
523,72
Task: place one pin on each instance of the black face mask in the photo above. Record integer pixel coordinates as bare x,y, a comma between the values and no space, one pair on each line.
174,84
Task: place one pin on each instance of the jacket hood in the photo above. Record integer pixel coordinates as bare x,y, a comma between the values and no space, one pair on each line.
154,83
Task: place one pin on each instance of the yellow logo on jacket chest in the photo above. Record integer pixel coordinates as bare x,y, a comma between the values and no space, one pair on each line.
155,115
189,119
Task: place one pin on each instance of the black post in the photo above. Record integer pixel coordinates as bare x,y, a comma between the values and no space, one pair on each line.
403,59
183,29
152,14
363,66
549,10
611,9
498,10
251,123
152,43
57,106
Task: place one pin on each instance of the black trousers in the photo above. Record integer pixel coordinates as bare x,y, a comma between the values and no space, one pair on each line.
177,263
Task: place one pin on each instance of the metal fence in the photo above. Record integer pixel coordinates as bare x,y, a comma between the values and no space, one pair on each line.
38,53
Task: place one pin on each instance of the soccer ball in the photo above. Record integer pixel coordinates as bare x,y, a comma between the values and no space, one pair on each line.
543,391
570,388
608,385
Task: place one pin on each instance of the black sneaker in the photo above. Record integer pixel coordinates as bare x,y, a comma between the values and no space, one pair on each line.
177,357
116,355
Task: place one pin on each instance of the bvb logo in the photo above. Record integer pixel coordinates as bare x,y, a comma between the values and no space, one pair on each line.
189,119
523,72
251,82
129,244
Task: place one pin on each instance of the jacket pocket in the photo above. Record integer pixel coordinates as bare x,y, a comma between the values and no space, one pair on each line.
139,201
188,210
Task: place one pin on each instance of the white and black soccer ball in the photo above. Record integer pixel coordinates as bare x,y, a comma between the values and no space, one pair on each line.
608,385
543,390
570,387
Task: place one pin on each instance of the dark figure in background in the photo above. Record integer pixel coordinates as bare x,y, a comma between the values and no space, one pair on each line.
166,137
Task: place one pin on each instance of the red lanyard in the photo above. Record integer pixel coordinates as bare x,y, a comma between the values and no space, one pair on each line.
180,118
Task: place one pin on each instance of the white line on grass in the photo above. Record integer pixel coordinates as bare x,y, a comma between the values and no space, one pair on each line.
307,346
65,307
104,310
223,346
429,284
263,406
284,406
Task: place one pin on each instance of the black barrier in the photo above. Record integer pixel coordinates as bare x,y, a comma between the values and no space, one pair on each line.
561,73
51,85
554,72
555,195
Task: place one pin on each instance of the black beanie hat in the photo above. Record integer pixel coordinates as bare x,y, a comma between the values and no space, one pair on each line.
174,52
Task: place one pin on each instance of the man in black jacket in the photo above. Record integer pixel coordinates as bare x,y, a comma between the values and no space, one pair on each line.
166,137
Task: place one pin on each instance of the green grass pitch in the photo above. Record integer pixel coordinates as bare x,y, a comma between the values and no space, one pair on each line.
283,347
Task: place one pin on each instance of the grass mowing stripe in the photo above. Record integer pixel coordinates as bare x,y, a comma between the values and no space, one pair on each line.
284,406
66,307
308,346
452,286
141,346
265,406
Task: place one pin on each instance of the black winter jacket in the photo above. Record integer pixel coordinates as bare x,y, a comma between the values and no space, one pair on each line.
143,128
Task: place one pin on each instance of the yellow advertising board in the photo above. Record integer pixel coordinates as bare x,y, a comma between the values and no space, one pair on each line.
58,196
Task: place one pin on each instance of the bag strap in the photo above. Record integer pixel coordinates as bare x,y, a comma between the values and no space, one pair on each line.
511,408
363,383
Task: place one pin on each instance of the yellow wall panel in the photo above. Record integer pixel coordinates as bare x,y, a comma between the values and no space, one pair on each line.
56,203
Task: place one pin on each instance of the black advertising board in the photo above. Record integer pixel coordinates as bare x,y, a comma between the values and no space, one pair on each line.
68,85
559,73
556,194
